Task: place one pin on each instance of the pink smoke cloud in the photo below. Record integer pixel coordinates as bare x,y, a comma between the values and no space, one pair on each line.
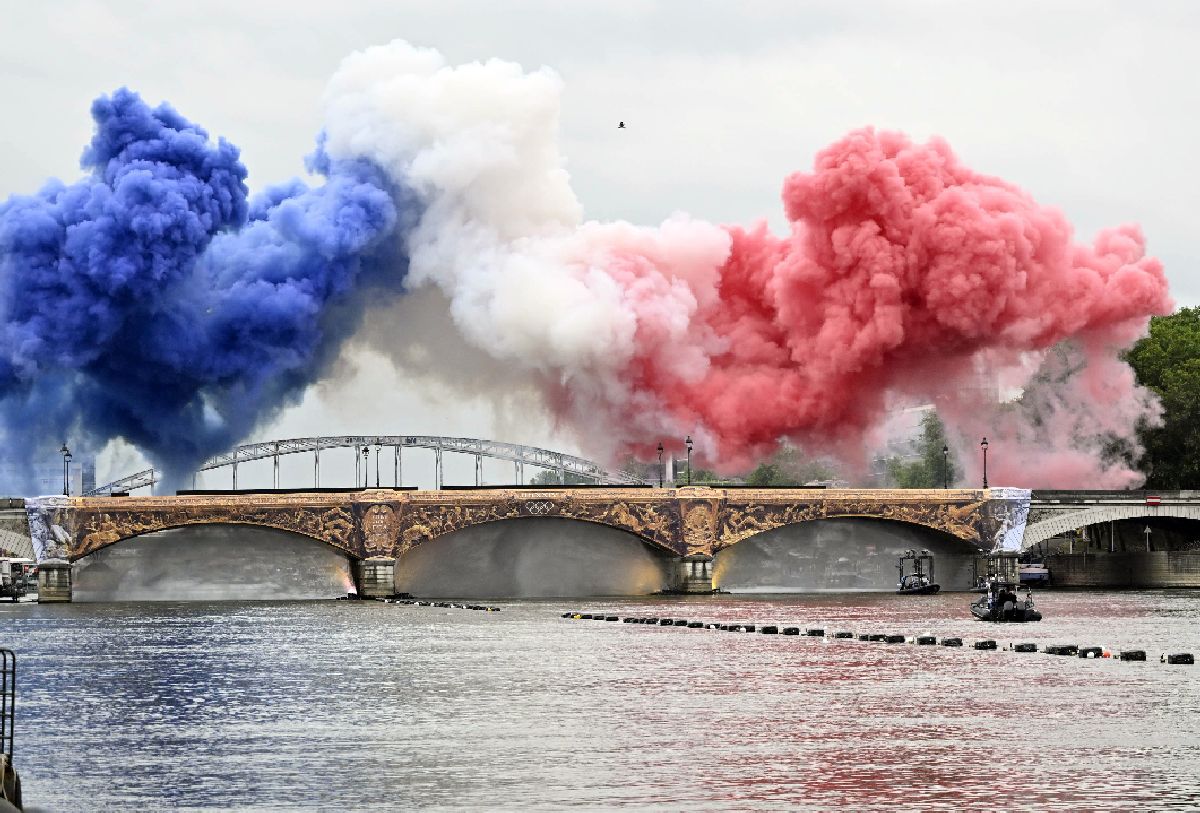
902,267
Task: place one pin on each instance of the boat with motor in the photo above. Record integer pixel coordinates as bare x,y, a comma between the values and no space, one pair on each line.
1032,572
916,574
1001,605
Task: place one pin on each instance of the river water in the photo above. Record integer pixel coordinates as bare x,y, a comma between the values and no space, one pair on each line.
336,705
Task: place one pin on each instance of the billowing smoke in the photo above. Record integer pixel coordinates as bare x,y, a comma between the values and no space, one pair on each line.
904,273
152,301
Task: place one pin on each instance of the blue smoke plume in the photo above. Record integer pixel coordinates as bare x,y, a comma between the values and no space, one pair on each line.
153,301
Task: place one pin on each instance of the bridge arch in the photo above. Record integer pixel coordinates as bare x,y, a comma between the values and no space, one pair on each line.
851,552
630,530
968,542
1045,529
106,536
645,518
536,557
213,561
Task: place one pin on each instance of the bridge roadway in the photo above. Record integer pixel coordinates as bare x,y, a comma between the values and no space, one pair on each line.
376,527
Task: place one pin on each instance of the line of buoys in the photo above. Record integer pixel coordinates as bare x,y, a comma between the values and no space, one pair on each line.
1070,650
448,604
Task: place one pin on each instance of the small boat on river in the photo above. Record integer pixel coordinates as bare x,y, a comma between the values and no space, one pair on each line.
1001,605
1033,572
916,574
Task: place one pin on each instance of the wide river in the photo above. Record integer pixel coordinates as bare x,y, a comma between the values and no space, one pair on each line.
337,705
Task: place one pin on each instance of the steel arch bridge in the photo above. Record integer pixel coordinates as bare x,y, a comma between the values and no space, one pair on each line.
520,456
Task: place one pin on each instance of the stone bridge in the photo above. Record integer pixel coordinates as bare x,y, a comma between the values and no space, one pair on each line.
1058,512
374,525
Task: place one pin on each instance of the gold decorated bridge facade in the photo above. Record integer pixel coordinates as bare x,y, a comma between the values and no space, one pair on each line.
694,521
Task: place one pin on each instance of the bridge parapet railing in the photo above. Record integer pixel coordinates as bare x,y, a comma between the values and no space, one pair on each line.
1071,496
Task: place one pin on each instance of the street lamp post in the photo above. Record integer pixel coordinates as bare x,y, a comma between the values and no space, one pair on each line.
66,453
983,445
660,465
378,446
946,467
366,453
689,448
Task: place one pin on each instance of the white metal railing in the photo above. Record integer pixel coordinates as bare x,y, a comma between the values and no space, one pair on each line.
517,454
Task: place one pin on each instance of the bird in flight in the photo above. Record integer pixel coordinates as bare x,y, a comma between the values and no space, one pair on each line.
620,125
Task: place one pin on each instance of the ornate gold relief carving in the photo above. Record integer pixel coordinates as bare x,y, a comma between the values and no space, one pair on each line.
375,523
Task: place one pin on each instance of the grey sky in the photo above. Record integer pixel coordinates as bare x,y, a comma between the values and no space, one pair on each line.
1091,106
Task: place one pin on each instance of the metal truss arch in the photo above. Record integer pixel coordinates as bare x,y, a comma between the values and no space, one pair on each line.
518,454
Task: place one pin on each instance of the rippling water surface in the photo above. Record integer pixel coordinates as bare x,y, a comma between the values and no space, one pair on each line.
369,706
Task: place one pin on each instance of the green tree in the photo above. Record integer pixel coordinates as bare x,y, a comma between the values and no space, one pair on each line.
929,470
1168,362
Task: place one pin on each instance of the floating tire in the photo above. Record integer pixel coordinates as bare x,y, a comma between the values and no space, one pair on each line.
989,644
952,642
1133,655
926,640
1024,647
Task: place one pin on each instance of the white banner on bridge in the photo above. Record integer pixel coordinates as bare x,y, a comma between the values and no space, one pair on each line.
1010,508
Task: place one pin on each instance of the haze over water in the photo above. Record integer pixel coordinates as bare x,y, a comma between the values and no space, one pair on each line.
369,706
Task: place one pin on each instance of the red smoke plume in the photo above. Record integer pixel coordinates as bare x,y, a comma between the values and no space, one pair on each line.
906,272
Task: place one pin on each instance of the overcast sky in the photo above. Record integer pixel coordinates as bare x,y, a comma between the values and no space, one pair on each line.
1090,106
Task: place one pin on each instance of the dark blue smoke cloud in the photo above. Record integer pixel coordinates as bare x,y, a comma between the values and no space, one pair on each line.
153,301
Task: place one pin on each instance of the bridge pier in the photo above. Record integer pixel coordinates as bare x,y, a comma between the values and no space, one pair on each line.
694,574
54,581
375,577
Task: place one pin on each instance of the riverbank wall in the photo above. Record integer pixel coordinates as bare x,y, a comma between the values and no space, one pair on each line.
1130,569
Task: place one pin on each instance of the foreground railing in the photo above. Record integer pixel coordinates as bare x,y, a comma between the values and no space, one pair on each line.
10,782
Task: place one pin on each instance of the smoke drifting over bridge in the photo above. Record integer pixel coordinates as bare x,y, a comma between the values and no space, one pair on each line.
152,301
